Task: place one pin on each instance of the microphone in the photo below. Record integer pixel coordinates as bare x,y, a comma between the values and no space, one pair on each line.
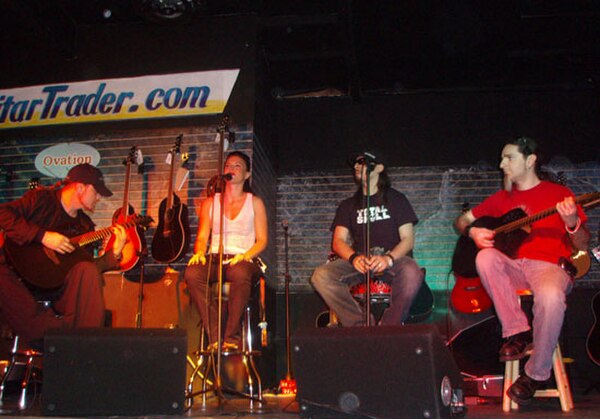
369,160
228,176
285,224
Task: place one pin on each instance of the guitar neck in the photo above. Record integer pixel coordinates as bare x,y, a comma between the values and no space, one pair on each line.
171,181
96,235
125,210
586,200
515,225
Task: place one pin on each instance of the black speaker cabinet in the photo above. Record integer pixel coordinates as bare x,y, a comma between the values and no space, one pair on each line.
399,372
89,372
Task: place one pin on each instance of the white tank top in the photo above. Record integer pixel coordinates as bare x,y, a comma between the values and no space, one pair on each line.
239,233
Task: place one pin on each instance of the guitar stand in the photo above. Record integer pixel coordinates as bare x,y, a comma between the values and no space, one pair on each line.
138,315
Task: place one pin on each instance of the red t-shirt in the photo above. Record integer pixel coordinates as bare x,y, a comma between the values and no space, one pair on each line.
548,238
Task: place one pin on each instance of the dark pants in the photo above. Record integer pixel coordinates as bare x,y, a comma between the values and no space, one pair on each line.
241,278
80,303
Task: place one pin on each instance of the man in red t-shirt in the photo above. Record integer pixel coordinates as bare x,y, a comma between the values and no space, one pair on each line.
535,265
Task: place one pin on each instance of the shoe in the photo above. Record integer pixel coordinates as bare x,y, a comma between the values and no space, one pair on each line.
212,347
516,346
230,346
523,389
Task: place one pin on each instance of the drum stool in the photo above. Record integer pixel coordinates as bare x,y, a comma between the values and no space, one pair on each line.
562,390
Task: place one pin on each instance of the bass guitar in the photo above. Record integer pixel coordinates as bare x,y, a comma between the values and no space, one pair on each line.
468,295
172,236
44,268
135,246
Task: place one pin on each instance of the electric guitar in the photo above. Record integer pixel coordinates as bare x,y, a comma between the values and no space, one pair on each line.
44,268
468,294
172,236
135,246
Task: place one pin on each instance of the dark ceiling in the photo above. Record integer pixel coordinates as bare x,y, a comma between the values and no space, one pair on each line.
348,47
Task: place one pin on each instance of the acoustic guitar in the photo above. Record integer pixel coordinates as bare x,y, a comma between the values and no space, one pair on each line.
44,268
592,342
468,294
135,246
172,236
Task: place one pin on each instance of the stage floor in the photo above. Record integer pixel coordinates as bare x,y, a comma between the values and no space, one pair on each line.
285,406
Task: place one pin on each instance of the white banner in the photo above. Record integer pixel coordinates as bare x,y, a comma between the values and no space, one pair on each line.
182,94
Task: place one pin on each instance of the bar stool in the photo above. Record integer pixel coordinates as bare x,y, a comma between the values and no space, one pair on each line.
27,359
205,364
562,390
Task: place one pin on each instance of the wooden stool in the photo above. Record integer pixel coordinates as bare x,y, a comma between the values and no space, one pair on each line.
562,390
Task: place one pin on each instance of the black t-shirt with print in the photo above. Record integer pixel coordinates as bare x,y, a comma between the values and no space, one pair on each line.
387,215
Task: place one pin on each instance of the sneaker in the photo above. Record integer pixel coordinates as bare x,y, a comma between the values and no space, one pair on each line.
523,390
516,346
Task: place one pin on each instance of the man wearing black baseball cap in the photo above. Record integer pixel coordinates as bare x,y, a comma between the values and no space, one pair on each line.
381,217
88,175
46,218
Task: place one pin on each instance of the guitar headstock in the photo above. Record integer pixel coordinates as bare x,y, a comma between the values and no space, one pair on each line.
177,147
224,125
134,156
34,183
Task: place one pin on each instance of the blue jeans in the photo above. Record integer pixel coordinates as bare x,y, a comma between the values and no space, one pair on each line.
333,280
502,277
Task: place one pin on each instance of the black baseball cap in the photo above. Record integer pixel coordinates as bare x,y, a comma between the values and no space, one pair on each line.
87,174
370,155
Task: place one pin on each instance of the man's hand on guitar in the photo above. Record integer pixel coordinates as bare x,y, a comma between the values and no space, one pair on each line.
567,209
483,237
120,238
196,259
57,242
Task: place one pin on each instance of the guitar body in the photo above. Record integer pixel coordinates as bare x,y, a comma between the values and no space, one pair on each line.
463,260
44,268
468,295
135,246
172,236
592,342
41,267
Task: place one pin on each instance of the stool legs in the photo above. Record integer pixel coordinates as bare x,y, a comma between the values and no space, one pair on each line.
206,363
562,390
18,357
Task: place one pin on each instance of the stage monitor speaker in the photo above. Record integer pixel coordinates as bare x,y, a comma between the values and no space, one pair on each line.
384,371
98,371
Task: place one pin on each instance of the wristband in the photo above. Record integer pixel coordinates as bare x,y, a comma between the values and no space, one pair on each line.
574,229
392,260
352,257
467,231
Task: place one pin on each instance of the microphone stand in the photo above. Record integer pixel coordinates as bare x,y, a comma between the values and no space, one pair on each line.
218,385
289,384
367,249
